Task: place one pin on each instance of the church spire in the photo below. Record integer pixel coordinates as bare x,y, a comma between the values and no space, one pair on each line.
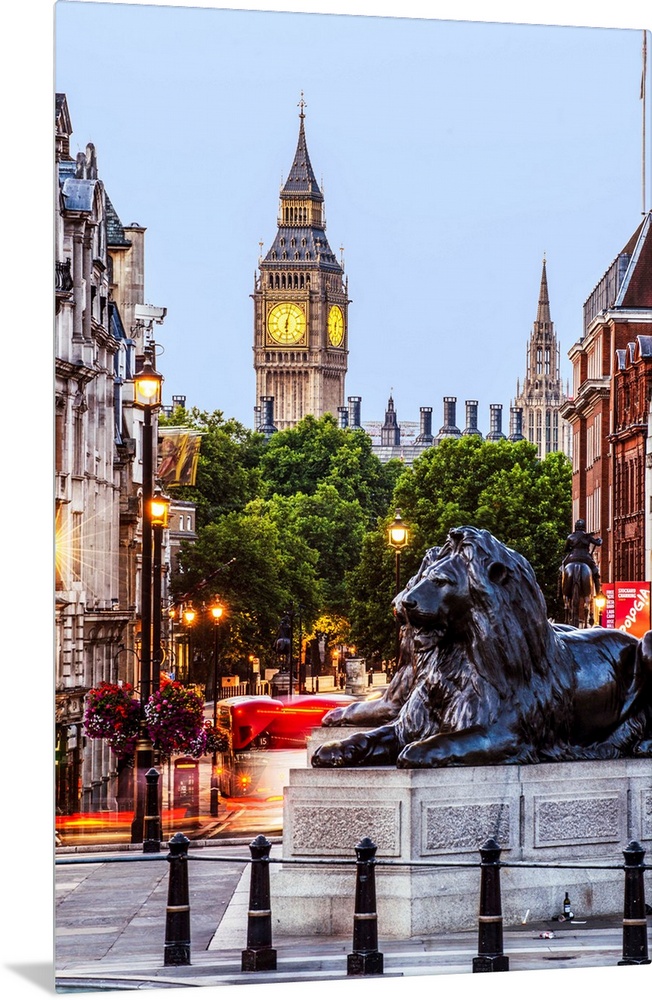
543,311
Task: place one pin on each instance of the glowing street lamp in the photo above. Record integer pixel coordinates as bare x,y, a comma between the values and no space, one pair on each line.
148,384
398,537
147,395
600,602
159,511
216,611
189,615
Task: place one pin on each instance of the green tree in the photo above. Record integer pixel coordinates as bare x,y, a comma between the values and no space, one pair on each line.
228,469
500,486
259,566
371,589
317,451
333,527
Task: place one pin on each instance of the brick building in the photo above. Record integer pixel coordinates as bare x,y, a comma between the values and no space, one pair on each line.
609,411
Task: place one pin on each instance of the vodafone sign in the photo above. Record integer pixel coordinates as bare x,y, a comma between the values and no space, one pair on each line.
628,607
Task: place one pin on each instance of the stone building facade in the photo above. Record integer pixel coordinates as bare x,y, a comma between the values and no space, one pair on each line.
98,463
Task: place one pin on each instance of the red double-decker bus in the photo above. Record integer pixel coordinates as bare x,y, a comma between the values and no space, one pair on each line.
261,722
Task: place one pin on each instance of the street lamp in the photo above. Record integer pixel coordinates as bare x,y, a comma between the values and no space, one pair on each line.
147,395
398,537
172,656
600,602
216,611
159,510
189,616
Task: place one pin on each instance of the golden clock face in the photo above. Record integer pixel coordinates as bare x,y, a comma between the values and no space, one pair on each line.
286,323
335,326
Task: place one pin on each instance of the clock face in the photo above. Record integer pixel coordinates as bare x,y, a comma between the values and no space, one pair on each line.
335,326
286,323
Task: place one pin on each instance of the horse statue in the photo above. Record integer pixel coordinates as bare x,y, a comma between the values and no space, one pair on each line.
577,592
580,578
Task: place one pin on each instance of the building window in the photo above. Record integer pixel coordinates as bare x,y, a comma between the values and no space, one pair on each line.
76,546
576,455
594,366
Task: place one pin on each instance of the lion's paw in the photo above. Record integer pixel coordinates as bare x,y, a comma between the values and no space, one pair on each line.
422,753
334,717
345,753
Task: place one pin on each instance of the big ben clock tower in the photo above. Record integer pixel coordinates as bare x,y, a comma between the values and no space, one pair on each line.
300,305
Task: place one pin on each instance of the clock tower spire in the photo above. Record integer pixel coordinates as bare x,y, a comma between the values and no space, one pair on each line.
300,304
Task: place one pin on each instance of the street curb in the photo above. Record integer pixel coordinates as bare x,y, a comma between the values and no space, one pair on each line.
126,848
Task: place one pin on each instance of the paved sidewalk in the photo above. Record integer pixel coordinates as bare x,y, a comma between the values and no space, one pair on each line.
110,930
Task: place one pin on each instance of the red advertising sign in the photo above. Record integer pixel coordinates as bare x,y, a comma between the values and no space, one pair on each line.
628,607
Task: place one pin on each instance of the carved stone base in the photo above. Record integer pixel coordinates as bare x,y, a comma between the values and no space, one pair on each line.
583,812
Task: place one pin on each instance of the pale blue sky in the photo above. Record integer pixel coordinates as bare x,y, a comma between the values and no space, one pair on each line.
453,156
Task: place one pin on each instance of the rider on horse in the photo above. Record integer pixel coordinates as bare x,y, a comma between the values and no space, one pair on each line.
579,549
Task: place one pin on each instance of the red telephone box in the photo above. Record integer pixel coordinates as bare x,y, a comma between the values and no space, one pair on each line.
186,785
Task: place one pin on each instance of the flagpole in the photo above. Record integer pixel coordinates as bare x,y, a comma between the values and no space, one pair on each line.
643,98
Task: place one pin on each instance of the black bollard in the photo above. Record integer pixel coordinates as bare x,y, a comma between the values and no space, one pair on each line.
259,956
177,915
365,959
152,819
634,921
490,956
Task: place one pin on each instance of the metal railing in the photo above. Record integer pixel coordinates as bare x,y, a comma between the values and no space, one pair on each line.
259,955
62,276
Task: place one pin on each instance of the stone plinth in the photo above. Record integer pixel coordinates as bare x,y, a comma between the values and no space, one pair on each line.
584,812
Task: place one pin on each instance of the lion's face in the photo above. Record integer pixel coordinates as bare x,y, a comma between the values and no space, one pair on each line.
440,602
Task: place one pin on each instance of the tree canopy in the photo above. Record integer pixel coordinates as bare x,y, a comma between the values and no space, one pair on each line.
319,453
501,486
301,519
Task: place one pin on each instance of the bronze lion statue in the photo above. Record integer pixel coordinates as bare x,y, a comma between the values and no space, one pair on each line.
494,682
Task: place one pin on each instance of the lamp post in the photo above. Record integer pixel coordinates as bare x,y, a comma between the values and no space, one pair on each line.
600,602
216,612
398,537
147,395
172,656
160,508
189,615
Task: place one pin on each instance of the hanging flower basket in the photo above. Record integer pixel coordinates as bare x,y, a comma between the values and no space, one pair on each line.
174,717
209,740
113,714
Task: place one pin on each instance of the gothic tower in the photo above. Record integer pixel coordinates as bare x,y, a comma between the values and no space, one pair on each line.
300,305
542,395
